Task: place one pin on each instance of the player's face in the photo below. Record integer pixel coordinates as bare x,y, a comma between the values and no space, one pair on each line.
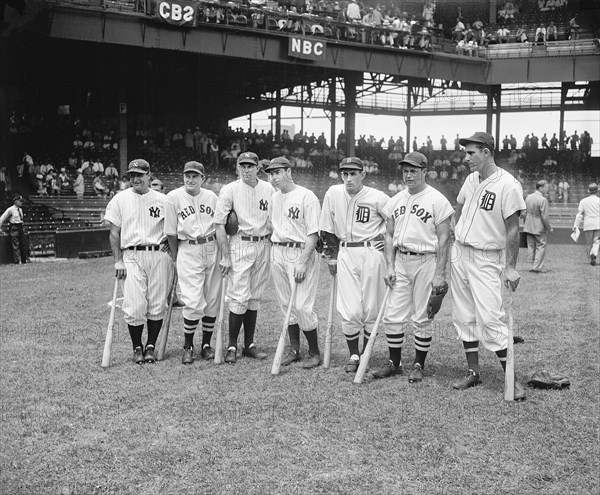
280,178
139,182
192,182
248,173
476,157
353,180
413,176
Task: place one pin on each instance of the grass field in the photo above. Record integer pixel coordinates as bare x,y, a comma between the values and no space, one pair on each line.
70,427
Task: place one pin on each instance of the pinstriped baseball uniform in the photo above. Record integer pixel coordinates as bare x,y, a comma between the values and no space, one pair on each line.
249,258
361,270
478,257
294,216
190,218
149,273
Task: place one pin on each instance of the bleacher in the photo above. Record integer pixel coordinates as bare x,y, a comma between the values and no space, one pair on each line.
551,48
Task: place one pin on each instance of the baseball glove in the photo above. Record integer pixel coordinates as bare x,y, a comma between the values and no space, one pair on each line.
548,380
435,299
231,224
331,245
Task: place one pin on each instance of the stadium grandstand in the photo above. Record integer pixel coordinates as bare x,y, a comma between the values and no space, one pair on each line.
92,84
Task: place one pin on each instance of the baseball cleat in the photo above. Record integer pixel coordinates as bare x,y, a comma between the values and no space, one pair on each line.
518,340
231,357
352,364
593,260
149,355
291,357
253,352
416,375
188,355
207,352
138,355
520,392
313,361
471,380
388,370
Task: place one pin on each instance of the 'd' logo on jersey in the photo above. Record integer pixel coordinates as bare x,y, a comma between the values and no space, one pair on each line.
294,213
363,214
154,211
263,205
488,200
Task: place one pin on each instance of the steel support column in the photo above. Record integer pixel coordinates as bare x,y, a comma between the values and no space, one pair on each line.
350,85
278,116
333,100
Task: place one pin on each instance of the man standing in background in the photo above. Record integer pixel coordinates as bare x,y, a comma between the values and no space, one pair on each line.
588,218
537,226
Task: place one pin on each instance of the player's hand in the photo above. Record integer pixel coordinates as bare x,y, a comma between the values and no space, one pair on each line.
438,280
390,279
120,270
332,265
225,265
512,278
300,272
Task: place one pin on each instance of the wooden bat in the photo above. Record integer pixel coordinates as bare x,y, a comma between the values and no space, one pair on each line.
509,375
281,345
219,331
109,330
329,329
364,360
161,345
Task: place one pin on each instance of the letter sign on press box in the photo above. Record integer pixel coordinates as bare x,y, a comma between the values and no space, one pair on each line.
306,48
178,12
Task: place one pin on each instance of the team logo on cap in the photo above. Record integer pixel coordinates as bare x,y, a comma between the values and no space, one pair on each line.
348,160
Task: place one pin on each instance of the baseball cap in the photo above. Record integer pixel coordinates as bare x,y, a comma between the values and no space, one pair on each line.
415,159
351,163
193,166
17,197
593,187
248,157
479,138
279,162
139,166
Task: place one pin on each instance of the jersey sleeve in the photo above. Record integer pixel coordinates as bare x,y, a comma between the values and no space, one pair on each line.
224,204
512,200
462,194
326,217
312,214
443,211
388,208
113,211
382,203
171,214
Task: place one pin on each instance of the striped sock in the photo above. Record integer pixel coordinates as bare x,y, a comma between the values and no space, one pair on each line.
472,352
352,341
189,328
208,325
366,337
422,346
395,343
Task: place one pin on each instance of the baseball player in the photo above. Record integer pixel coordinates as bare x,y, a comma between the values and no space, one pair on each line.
588,218
416,251
190,229
142,258
294,216
352,215
486,248
245,255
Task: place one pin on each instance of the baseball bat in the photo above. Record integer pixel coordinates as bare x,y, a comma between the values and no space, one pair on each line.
281,345
161,345
329,329
109,330
364,360
509,375
219,331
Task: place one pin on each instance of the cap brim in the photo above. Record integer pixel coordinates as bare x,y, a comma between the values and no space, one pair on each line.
193,170
413,164
251,162
137,171
350,167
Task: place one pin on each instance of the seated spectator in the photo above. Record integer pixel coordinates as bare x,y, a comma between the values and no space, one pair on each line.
542,6
111,171
551,5
156,184
98,166
52,186
99,187
521,35
503,34
79,184
471,48
551,32
540,35
64,182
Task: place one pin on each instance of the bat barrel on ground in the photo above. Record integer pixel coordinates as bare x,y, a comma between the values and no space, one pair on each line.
219,330
364,360
509,375
276,368
161,345
329,329
110,329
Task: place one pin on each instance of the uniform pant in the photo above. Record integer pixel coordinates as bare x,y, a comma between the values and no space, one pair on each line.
147,285
361,287
592,239
19,243
536,250
476,284
199,279
284,259
249,272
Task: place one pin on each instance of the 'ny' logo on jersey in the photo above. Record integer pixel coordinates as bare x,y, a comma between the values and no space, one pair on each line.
363,214
154,211
294,212
488,200
263,205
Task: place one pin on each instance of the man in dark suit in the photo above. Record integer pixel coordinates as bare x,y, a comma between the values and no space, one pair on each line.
537,226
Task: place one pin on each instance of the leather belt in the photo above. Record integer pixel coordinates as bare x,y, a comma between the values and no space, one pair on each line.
356,244
202,240
290,244
254,238
155,247
410,253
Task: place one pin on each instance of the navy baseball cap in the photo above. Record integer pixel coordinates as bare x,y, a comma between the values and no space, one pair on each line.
415,159
479,138
351,163
193,166
248,157
139,166
279,162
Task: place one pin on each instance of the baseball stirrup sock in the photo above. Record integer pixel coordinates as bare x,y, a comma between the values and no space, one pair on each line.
135,331
502,356
472,352
249,327
366,337
208,325
235,324
294,333
353,346
313,341
153,331
189,328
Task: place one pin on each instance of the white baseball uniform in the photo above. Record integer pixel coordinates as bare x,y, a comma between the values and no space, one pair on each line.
294,216
588,218
190,218
149,268
415,241
357,221
250,247
478,257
